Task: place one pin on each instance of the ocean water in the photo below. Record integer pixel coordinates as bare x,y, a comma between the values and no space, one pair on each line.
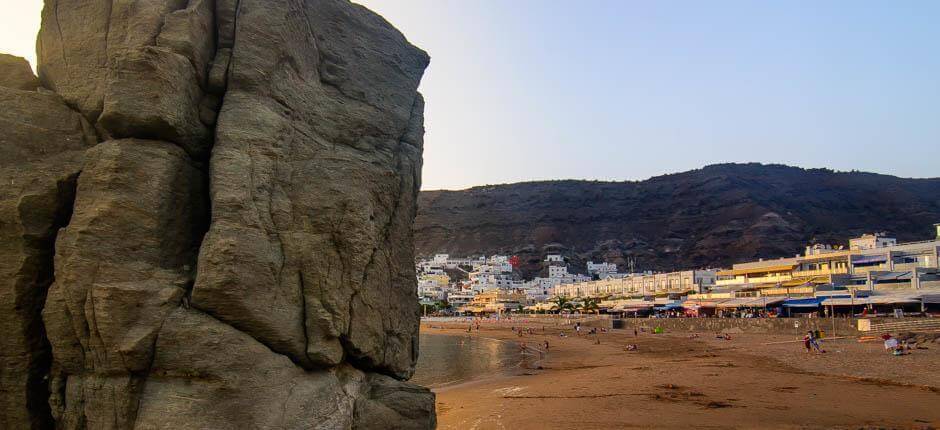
452,359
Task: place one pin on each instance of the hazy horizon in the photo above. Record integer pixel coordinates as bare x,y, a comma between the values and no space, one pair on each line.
606,90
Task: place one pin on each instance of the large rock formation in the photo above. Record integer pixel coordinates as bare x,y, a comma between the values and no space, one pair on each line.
206,218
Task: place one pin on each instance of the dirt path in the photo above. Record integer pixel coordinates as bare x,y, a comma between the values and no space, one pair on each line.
673,381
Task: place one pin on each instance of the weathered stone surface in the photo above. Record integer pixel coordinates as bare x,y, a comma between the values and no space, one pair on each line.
122,264
190,32
389,403
79,37
15,73
218,71
297,308
40,157
324,91
207,374
152,93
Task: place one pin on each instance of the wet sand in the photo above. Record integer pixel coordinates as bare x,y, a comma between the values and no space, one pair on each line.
673,381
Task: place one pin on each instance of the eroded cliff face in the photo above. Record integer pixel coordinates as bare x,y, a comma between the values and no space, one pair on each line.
206,218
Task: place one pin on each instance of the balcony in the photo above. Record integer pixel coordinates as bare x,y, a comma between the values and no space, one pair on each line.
799,291
741,280
821,272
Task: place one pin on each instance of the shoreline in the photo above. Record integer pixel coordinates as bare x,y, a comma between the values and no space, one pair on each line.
505,371
674,381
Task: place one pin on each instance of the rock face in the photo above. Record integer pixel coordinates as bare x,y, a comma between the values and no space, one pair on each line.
711,217
41,151
209,218
15,73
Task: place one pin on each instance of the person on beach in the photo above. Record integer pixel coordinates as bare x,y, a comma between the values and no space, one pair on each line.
546,345
812,340
806,343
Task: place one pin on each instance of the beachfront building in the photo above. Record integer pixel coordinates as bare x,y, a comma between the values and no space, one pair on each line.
460,299
642,285
495,301
872,262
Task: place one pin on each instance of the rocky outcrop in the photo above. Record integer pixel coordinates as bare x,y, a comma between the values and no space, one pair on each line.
209,223
41,153
314,184
15,73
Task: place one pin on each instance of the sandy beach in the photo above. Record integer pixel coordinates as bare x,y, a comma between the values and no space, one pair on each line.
674,381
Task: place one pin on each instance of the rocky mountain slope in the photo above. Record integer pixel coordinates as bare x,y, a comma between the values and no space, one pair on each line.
710,217
143,286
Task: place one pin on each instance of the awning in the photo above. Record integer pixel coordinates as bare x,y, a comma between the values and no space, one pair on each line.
802,303
633,305
869,259
735,303
760,302
873,300
894,276
692,304
750,302
668,306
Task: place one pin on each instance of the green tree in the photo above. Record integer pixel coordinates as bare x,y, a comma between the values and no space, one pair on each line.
590,305
562,303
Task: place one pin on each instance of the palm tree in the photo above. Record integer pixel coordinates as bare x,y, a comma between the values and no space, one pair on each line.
590,305
562,303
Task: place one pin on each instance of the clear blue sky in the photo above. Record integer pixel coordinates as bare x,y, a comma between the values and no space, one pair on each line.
542,89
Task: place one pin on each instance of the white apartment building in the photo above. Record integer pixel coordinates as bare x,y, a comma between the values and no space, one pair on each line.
557,271
871,241
600,269
537,291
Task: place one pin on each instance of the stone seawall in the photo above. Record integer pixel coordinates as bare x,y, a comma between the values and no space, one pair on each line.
843,326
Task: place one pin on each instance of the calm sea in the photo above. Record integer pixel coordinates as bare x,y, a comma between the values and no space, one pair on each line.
451,359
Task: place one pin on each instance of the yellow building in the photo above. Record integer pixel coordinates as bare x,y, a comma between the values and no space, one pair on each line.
495,301
440,280
641,285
